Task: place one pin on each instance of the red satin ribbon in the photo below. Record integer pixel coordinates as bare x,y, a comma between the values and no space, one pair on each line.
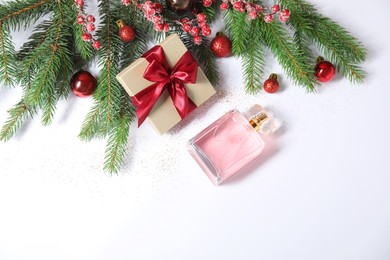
158,71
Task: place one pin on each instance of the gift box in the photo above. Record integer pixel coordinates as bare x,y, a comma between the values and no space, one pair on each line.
165,84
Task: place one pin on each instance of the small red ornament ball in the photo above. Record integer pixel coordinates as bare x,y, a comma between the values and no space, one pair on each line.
83,84
221,46
324,70
126,33
271,85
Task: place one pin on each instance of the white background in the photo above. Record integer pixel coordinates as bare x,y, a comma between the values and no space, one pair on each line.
321,189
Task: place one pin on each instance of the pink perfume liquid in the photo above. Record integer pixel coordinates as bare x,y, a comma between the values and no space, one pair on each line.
228,144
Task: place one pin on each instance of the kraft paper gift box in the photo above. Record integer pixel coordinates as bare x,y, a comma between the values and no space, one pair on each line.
164,114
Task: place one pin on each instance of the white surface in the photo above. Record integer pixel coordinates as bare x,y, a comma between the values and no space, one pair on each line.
320,191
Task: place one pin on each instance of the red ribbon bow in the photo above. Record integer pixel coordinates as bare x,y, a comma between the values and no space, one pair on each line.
158,71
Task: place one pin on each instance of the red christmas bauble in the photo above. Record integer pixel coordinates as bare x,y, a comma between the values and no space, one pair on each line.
83,84
221,46
271,85
126,33
324,70
179,5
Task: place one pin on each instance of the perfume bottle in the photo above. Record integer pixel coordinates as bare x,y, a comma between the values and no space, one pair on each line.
231,142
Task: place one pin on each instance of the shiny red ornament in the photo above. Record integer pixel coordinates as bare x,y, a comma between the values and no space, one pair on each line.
83,84
271,85
126,33
324,70
221,46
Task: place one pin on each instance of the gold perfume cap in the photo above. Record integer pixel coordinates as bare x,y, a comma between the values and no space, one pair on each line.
262,120
257,120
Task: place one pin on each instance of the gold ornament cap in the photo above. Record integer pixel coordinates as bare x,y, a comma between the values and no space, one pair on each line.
120,23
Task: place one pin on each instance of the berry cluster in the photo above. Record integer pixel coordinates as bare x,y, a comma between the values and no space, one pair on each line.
87,21
196,27
152,12
254,10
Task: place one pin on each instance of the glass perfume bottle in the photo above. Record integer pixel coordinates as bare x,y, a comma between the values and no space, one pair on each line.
231,142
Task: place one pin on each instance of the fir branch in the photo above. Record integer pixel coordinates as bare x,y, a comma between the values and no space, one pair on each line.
352,47
119,132
40,34
8,68
42,91
106,60
18,13
91,125
107,115
237,26
118,136
63,79
335,42
337,52
253,59
293,61
299,23
19,114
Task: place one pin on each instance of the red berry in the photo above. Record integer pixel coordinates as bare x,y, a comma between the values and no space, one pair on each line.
186,27
224,6
202,24
184,20
239,6
275,8
86,36
80,3
90,27
157,19
271,85
258,8
96,45
80,19
165,27
126,2
252,15
157,7
268,18
195,31
91,18
198,40
285,13
201,17
158,26
207,3
206,31
283,19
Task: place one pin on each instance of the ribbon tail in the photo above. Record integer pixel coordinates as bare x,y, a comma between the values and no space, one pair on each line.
183,104
145,100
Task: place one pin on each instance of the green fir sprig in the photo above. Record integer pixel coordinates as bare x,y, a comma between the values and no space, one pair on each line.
336,44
